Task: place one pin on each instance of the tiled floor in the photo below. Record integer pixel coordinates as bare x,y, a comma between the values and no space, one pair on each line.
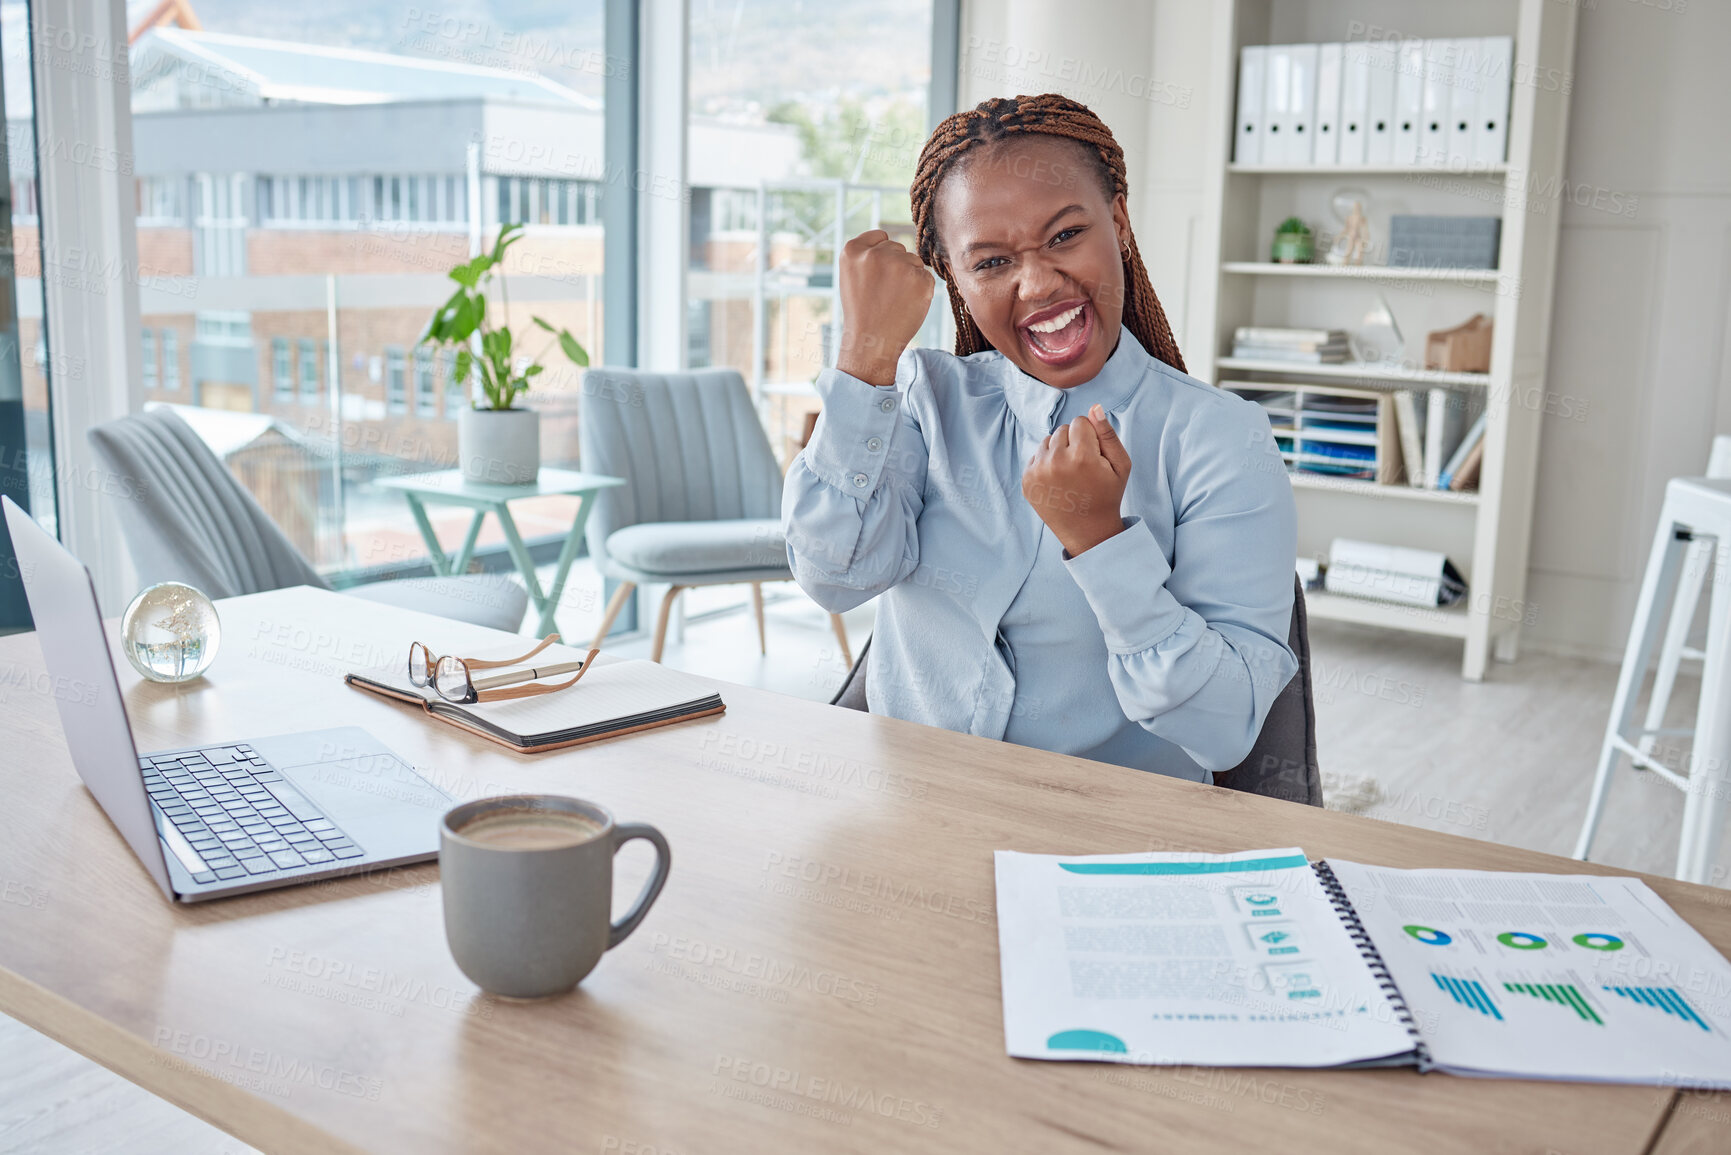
1509,760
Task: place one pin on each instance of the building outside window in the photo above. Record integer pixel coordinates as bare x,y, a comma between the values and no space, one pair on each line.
281,369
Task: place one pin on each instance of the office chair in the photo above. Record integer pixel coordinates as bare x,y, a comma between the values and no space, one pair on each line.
191,520
702,500
1282,763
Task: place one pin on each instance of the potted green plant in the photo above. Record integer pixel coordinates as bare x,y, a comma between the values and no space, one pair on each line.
496,441
1294,244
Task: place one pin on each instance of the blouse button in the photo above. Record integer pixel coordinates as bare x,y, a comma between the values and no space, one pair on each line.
887,404
860,480
875,444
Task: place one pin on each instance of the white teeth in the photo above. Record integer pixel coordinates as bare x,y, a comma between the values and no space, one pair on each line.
1055,323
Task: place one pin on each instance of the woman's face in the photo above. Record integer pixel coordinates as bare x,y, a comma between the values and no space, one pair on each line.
1036,250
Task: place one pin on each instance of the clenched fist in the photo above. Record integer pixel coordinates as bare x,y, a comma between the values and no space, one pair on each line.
1076,482
885,292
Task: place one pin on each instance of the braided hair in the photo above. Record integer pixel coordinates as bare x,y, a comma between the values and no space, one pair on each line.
1049,115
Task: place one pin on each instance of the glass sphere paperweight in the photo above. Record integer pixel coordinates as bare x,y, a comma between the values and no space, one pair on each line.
170,633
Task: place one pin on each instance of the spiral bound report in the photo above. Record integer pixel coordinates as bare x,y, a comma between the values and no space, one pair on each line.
1372,958
1266,958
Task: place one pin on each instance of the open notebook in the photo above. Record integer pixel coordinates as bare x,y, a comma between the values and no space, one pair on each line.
1264,959
616,697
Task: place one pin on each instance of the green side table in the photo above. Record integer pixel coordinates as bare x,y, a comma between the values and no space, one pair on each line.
448,488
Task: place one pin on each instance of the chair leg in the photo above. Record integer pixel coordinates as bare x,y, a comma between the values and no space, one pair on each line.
661,622
835,623
614,604
1658,582
1705,804
1697,560
757,608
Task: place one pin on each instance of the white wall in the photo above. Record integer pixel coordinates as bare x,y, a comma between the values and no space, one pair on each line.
1640,365
1643,296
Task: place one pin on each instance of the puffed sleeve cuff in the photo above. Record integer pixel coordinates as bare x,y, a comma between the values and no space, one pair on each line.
855,437
1124,580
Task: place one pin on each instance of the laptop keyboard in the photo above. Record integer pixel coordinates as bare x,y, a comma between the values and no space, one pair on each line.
240,815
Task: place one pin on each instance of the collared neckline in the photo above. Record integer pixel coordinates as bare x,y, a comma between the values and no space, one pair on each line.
1034,402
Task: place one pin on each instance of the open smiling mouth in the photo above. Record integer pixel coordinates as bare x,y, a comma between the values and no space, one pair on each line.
1059,335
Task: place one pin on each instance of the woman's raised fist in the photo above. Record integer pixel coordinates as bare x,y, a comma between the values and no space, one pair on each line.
885,293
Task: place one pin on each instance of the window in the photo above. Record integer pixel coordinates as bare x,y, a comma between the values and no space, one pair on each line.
528,201
170,360
149,345
24,201
159,202
225,327
396,388
802,130
426,397
316,202
309,364
281,369
387,218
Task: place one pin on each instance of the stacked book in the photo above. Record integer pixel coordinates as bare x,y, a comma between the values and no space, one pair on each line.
1299,346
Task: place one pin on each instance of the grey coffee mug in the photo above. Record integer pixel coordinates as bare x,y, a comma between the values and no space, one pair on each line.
528,923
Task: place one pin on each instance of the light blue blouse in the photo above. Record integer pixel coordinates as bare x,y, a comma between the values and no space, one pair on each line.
1162,647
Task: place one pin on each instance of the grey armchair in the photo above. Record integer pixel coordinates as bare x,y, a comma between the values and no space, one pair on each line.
192,521
702,500
1281,763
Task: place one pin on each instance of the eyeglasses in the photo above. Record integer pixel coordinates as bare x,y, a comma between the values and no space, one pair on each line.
453,678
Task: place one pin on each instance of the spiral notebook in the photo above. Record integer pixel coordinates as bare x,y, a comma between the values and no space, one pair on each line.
1265,959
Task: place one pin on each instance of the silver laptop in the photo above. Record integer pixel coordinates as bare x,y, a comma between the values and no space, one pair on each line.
224,818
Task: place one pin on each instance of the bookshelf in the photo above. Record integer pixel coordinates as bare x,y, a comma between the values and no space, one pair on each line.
1232,283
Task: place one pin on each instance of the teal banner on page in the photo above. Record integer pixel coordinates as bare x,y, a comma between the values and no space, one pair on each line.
1240,866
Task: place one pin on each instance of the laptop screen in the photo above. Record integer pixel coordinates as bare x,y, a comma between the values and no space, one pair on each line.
83,685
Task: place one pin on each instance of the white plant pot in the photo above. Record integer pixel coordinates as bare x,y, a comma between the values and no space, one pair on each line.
501,446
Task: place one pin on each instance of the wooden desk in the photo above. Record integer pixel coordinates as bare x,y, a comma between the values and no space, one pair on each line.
821,973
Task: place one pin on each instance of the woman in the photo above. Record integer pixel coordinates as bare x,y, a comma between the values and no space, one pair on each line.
1037,588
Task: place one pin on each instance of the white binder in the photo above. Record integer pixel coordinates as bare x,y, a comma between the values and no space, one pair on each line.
1301,108
1491,132
1408,100
1276,103
1354,102
1325,149
1435,102
1381,62
1464,97
1252,65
